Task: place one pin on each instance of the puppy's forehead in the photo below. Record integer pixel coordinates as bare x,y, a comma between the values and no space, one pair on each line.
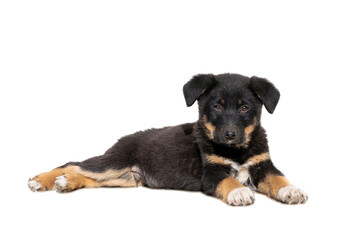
230,78
232,86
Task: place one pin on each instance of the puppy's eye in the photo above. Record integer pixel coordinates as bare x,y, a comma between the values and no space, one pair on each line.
244,108
217,107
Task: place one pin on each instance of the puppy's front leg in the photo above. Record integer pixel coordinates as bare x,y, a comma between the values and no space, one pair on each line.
217,182
270,181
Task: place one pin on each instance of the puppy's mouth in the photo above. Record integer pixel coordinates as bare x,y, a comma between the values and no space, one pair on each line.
239,141
232,143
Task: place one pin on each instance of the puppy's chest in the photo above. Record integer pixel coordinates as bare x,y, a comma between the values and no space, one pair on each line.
241,173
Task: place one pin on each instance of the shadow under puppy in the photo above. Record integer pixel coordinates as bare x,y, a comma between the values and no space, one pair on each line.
224,154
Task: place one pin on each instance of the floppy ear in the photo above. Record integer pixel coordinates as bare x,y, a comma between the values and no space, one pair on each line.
197,86
266,91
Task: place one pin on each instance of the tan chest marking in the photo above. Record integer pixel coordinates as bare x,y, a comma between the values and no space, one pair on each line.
257,159
215,159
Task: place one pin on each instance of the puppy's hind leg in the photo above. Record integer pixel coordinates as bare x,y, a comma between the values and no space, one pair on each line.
63,179
94,172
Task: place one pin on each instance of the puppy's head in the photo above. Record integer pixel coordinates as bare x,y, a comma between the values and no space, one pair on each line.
230,105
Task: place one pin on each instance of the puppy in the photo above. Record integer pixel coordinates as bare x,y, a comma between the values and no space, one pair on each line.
224,154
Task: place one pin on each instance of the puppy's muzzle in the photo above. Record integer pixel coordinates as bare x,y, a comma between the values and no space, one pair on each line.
230,135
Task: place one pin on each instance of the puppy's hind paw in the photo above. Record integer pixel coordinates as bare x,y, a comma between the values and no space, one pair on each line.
61,184
34,186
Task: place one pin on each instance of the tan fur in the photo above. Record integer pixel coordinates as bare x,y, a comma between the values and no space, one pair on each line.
120,183
216,159
108,174
272,184
47,179
226,186
248,131
76,181
79,178
209,127
240,102
121,178
222,101
258,158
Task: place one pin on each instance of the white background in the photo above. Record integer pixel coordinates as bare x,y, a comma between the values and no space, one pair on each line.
77,75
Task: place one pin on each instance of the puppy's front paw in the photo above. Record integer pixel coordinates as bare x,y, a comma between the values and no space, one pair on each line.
241,197
292,195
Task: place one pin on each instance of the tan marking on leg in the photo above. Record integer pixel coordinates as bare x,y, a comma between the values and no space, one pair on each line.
47,179
226,186
216,159
125,180
79,178
258,158
272,184
110,178
108,174
119,178
75,181
120,183
210,128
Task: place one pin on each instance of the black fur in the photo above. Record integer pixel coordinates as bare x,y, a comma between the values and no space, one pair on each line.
259,171
197,86
175,157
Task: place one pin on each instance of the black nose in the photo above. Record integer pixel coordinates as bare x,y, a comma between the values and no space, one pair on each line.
230,135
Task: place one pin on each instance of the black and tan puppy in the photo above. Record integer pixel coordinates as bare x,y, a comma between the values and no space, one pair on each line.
224,154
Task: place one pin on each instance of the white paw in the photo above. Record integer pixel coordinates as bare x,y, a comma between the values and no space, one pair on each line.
292,195
241,197
60,183
34,185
